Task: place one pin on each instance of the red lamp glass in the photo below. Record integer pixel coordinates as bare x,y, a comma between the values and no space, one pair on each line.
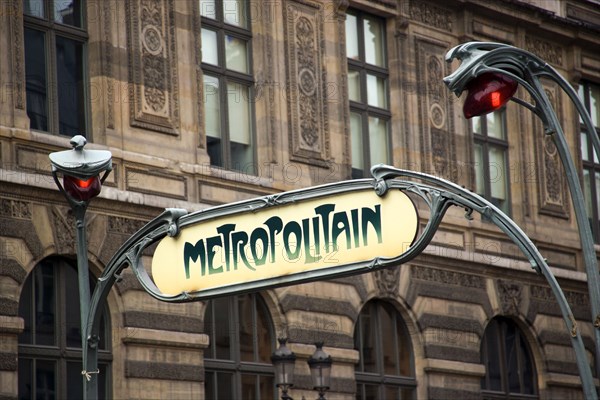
82,189
488,92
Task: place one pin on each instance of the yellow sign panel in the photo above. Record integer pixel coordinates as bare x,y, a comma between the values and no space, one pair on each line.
277,241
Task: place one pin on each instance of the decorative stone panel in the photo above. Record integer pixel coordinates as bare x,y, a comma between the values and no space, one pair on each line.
552,190
549,52
448,277
15,209
64,230
151,44
431,15
437,125
306,86
16,12
107,11
387,280
510,295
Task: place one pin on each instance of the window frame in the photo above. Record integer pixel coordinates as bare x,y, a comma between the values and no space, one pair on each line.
501,325
590,164
61,353
380,378
51,30
234,365
225,76
485,141
362,107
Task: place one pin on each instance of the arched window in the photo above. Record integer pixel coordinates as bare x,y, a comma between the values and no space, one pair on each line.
509,369
385,370
50,345
238,360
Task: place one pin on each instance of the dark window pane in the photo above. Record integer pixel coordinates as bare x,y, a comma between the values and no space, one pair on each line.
508,362
511,359
267,387
25,378
68,12
249,387
407,394
35,79
214,151
224,386
371,392
368,341
527,365
34,7
264,340
69,72
493,358
102,380
209,385
223,330
404,349
104,332
75,380
246,325
26,312
45,305
392,393
388,344
45,380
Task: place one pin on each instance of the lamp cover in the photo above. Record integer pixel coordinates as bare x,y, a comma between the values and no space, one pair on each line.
488,92
82,189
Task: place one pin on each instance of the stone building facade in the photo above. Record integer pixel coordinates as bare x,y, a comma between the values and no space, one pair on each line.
204,103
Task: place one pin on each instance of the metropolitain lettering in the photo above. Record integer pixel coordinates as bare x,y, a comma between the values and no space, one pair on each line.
308,240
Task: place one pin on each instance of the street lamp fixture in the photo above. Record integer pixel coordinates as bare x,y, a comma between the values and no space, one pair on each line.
284,361
491,72
488,92
81,171
320,370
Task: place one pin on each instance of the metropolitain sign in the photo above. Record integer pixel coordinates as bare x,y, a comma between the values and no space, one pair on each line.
292,237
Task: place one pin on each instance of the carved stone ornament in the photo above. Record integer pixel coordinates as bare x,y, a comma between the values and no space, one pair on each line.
448,277
64,236
547,51
437,141
431,15
552,191
575,299
124,226
510,295
151,43
15,209
307,106
386,280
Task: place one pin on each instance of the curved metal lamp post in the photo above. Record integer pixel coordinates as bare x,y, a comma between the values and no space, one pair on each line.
81,171
490,73
437,193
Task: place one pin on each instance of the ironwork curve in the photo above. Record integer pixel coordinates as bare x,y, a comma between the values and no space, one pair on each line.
437,193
